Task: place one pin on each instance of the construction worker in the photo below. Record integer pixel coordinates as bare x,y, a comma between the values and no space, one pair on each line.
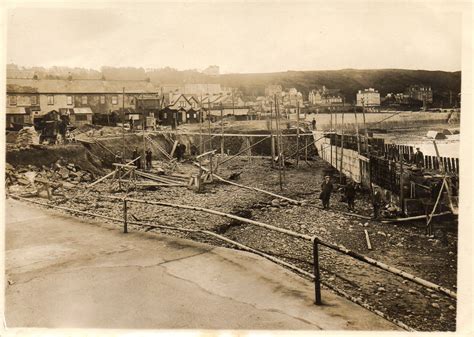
194,150
350,193
326,190
148,156
418,158
377,203
179,152
183,150
134,156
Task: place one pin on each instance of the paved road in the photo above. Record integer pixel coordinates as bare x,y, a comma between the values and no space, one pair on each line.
64,272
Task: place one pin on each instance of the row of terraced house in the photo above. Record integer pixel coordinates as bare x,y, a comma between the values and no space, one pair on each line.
111,102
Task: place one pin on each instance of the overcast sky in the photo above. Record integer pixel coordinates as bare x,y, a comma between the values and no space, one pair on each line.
239,37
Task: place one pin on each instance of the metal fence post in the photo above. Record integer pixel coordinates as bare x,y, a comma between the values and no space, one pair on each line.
317,276
125,229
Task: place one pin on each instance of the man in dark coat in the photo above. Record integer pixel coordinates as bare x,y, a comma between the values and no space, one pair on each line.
313,123
350,193
148,159
134,156
183,150
194,150
377,203
326,190
418,158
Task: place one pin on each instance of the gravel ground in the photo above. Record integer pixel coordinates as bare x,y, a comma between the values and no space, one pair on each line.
402,246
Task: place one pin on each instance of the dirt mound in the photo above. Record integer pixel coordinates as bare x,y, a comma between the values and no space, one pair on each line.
40,155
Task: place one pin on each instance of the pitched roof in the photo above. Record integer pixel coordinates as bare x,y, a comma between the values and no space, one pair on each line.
16,111
78,86
82,111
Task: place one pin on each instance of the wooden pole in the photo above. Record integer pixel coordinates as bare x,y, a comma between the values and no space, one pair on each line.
401,186
222,130
144,141
201,113
209,120
279,144
342,147
367,145
273,138
297,133
123,123
317,276
125,226
282,156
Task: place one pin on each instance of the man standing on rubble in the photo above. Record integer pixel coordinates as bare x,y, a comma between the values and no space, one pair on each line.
418,158
134,156
326,190
376,203
349,193
148,159
313,123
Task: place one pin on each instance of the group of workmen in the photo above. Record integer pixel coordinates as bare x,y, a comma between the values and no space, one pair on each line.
349,194
179,153
138,162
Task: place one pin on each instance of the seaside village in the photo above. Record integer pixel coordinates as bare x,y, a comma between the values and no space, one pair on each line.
363,175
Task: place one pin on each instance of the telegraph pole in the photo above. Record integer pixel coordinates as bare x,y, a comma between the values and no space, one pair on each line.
123,123
279,145
272,136
201,145
297,134
222,130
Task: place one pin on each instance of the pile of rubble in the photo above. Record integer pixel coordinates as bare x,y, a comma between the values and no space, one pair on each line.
26,137
32,181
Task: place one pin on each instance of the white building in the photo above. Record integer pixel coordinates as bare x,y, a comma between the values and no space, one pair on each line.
368,97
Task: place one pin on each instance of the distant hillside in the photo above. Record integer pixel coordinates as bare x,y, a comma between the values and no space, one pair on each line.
349,81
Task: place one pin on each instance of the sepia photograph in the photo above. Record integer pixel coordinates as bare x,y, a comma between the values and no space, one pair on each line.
241,166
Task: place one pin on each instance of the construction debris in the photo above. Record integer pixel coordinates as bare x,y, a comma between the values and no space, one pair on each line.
27,137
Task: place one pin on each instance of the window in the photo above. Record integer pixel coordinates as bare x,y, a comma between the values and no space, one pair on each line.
102,99
193,105
50,100
84,100
69,100
194,115
81,118
182,104
165,115
187,115
12,100
114,99
34,100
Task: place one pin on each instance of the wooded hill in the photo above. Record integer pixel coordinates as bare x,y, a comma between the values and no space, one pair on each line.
349,81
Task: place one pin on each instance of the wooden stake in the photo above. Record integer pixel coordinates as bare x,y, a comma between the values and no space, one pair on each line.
369,246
